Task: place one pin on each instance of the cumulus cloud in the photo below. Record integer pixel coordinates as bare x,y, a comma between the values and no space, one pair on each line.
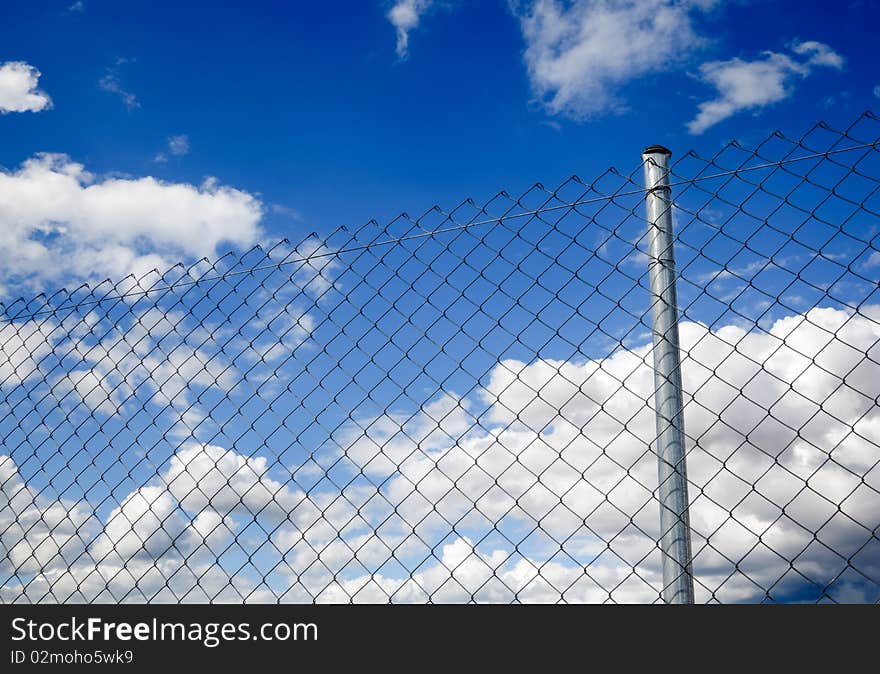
580,54
148,549
539,487
58,220
18,89
751,85
37,532
160,542
564,447
405,16
205,476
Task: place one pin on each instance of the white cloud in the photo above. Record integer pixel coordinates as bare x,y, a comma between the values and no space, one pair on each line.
160,543
405,16
116,373
580,54
818,54
148,548
36,532
159,357
208,477
60,221
750,85
18,89
779,419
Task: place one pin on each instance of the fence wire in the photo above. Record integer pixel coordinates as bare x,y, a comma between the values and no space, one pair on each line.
459,406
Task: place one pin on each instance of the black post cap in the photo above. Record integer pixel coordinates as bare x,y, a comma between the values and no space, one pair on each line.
657,149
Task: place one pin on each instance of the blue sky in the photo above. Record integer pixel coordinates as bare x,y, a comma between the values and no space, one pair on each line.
280,433
310,107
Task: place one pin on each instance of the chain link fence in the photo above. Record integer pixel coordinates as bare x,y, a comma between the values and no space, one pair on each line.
460,406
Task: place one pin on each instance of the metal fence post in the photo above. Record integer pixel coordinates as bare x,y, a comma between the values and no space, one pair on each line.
675,542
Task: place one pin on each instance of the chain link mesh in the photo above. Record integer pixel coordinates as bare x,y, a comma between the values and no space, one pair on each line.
459,406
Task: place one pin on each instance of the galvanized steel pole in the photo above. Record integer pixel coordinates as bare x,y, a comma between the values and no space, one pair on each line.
675,541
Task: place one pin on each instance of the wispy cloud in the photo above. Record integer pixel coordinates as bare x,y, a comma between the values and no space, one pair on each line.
77,7
405,16
286,211
18,89
751,85
111,83
177,146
